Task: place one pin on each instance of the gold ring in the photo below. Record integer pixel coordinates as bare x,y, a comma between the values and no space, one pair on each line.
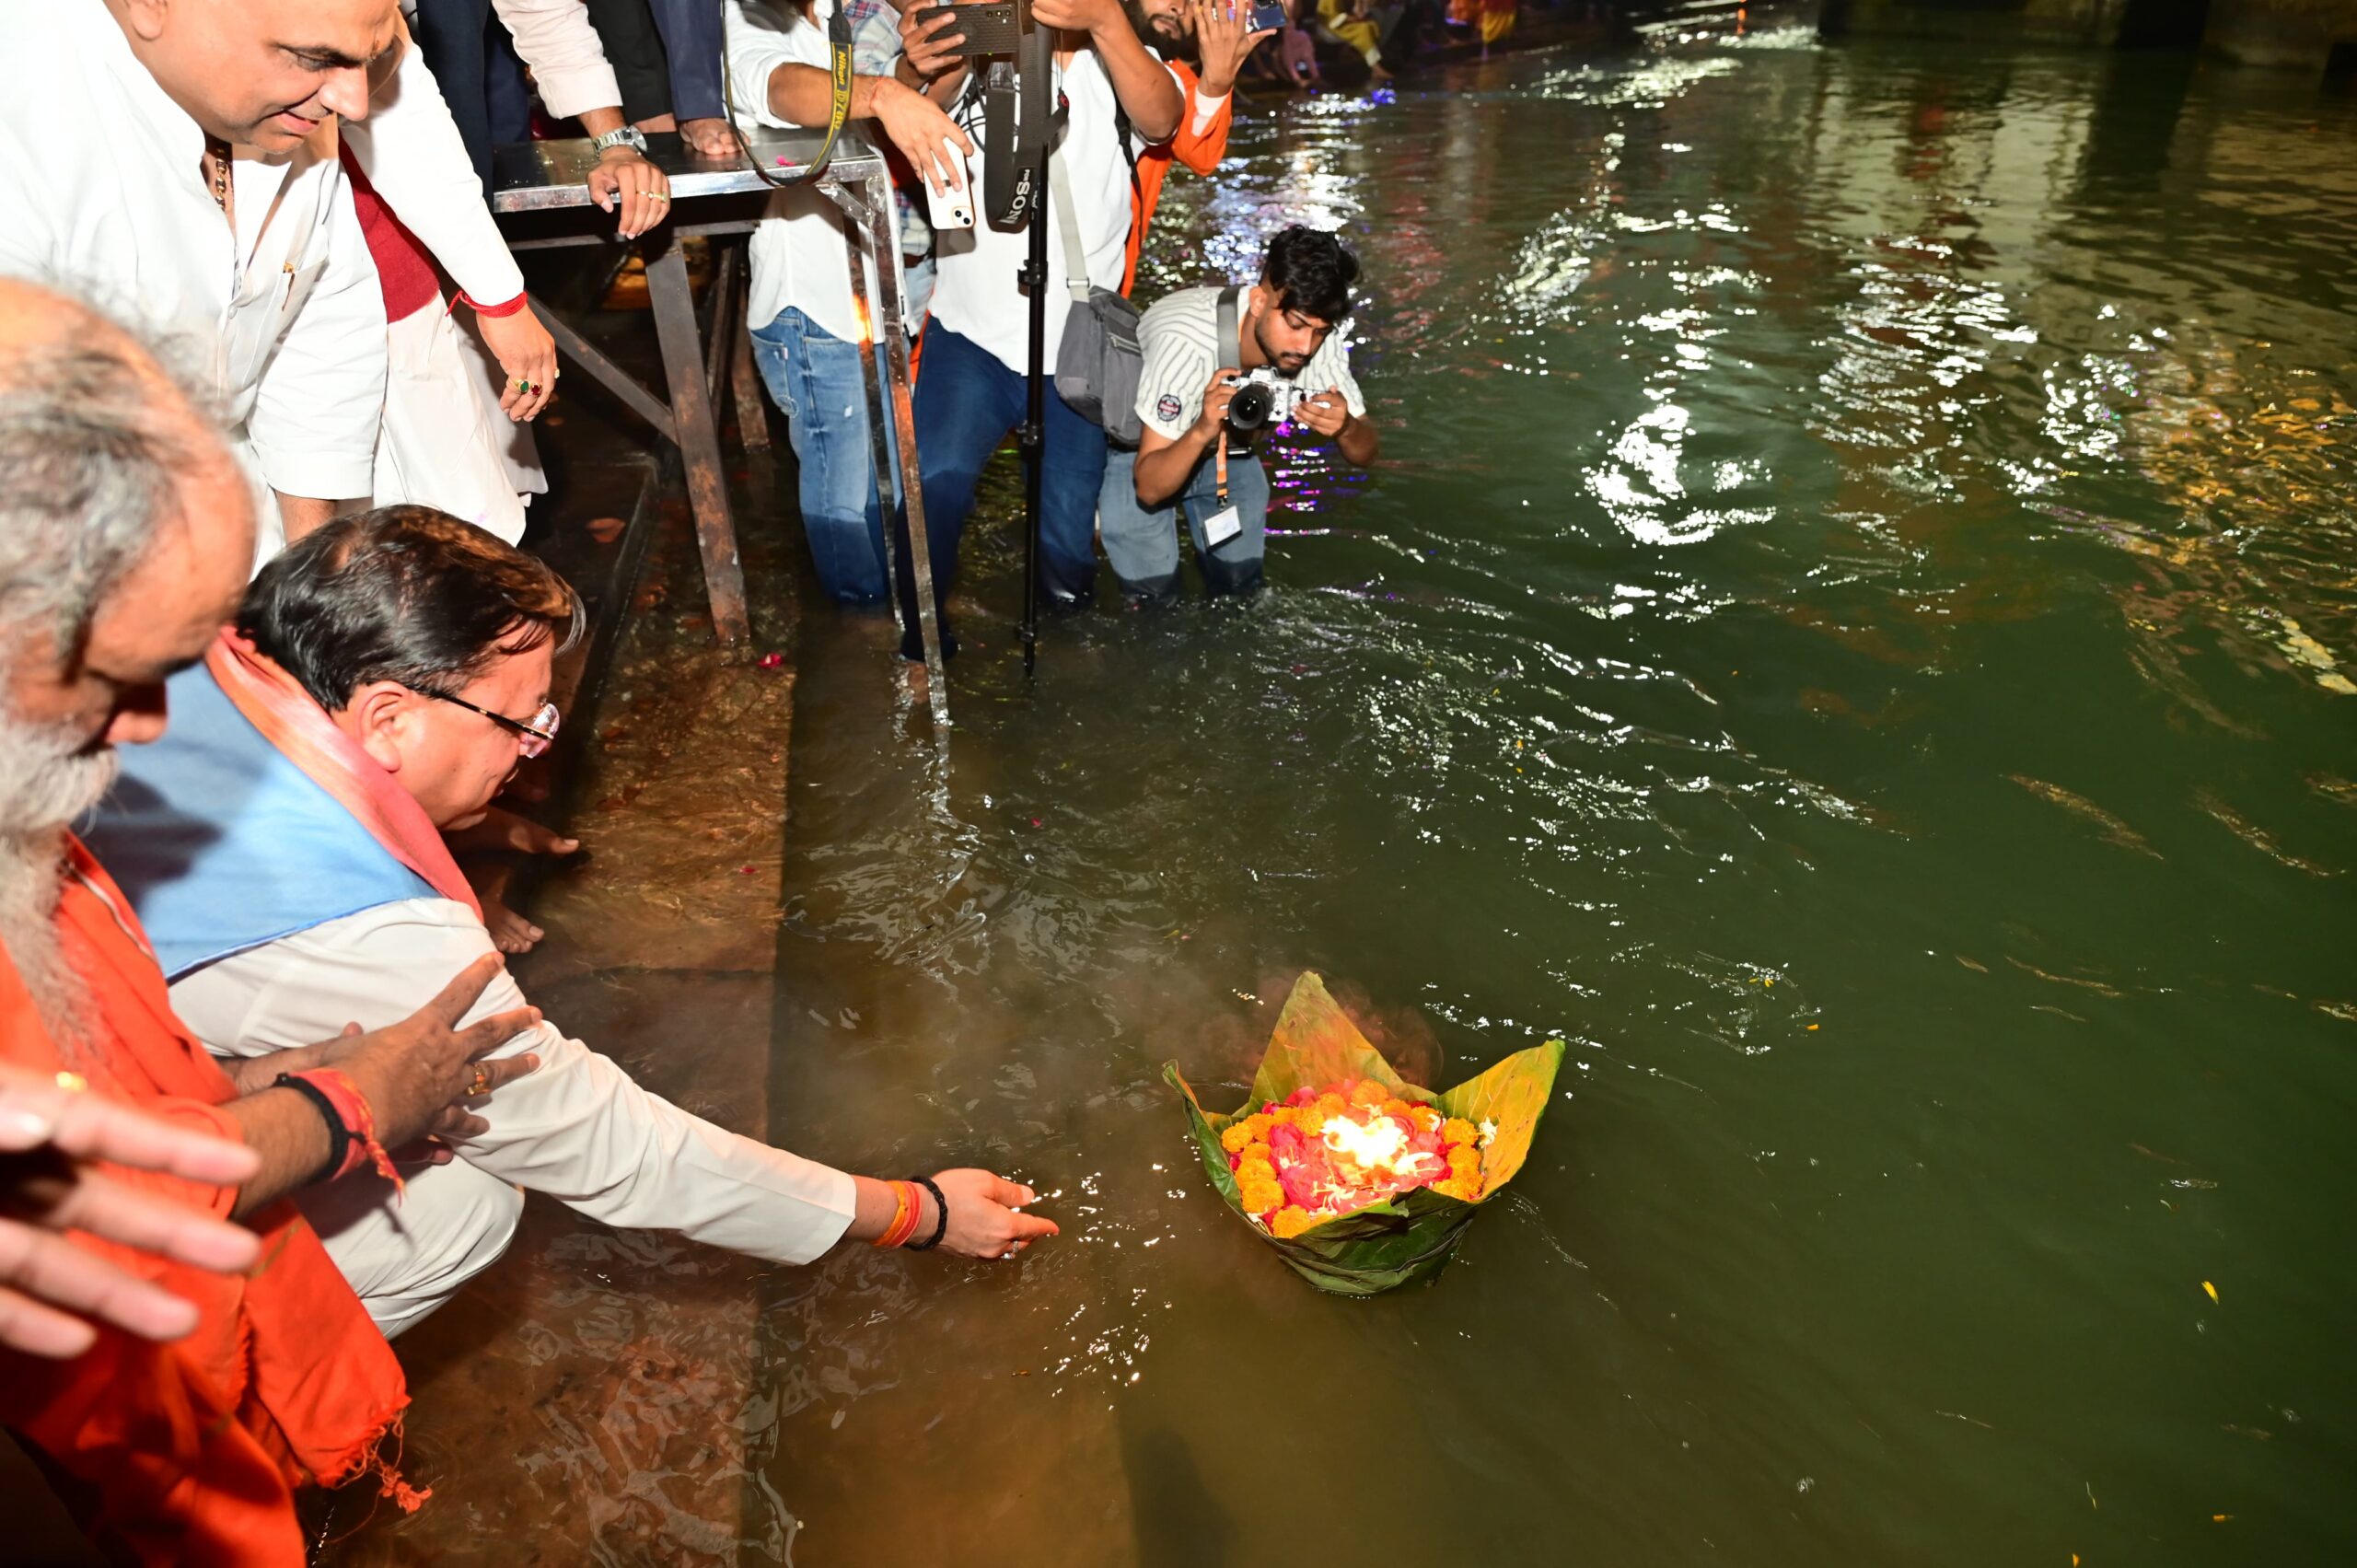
522,384
481,1084
658,195
72,1082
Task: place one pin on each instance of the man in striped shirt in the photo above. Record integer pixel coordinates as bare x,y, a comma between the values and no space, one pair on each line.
1195,450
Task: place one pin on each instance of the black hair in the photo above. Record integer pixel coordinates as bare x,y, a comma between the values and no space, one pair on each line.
1311,272
405,594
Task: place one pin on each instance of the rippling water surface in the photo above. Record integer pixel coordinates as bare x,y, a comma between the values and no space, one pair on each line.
1854,631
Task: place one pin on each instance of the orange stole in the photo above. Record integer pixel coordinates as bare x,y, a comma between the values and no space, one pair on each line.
190,1451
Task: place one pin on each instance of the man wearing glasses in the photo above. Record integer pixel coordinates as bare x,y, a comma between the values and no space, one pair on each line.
282,845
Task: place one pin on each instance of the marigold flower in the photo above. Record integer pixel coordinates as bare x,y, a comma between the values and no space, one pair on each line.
1238,1135
1369,1091
1457,1130
1292,1221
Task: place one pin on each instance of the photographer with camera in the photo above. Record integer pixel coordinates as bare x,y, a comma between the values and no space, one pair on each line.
1119,99
1221,365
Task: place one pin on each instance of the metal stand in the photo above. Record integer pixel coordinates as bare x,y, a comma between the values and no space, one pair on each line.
873,208
541,193
1033,436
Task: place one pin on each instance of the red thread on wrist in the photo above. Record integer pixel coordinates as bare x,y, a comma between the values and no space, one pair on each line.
479,309
359,1122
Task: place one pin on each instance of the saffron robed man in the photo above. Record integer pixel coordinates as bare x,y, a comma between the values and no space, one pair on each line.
126,532
283,846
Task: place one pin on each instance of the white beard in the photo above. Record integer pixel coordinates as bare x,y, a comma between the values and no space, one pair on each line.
47,782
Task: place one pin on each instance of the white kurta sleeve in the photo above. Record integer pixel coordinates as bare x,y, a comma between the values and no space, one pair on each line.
319,402
576,1128
568,63
410,150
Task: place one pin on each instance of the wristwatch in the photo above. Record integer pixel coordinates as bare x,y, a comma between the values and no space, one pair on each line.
629,136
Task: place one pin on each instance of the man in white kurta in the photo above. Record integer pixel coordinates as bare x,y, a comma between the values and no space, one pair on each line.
287,863
456,432
266,286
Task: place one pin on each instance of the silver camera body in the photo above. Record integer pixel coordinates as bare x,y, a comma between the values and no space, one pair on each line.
1264,397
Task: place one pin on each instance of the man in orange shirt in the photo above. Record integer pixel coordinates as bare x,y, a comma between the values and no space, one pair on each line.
126,530
1216,35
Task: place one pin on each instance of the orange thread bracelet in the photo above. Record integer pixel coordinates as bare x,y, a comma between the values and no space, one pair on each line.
479,309
359,1121
905,1217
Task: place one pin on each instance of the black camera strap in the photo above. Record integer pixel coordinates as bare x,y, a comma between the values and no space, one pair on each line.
1008,177
1022,112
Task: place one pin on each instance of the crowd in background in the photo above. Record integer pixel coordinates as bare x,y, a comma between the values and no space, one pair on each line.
270,654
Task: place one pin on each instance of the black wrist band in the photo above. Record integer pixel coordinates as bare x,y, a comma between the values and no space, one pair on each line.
338,1136
941,1212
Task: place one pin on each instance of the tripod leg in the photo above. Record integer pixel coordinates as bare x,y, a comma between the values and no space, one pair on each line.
1035,417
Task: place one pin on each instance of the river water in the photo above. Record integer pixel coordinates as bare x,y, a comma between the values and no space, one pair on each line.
1854,632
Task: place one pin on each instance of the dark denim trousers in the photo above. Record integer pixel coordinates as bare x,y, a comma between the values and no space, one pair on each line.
966,404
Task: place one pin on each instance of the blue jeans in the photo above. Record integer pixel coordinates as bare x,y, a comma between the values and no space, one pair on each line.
816,381
966,404
1142,543
475,65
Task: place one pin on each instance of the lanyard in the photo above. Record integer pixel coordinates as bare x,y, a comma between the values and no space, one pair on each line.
1219,443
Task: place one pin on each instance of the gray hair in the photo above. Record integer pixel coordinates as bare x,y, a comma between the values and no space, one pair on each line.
90,459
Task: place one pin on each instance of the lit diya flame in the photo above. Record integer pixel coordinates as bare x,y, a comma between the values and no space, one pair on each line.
1375,1145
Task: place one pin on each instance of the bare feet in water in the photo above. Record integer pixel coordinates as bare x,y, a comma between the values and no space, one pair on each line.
485,851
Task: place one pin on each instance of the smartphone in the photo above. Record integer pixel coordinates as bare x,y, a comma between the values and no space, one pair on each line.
950,209
1269,16
987,28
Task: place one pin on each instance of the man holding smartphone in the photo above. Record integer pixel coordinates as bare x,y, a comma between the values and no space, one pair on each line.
977,343
806,329
1221,365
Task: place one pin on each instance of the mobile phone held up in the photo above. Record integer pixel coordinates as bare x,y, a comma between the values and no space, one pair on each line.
987,28
950,209
1269,16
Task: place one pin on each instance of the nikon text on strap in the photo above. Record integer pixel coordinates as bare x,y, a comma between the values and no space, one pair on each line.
838,109
1021,113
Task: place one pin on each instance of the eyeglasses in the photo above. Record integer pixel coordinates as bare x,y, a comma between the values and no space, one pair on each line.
531,739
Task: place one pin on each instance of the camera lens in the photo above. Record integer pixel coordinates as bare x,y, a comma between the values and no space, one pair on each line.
1251,406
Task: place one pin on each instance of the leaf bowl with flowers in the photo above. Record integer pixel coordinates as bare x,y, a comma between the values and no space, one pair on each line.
1360,1180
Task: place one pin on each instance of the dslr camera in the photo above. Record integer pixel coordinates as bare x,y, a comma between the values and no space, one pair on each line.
1262,397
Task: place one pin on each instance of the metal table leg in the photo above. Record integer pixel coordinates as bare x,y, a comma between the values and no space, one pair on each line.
872,209
683,368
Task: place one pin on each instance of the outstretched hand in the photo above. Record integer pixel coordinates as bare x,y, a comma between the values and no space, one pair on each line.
1223,40
985,1220
52,1292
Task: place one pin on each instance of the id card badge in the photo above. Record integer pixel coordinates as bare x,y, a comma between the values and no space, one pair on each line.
1221,526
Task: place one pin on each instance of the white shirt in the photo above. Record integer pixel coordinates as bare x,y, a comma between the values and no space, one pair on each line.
976,296
283,318
1179,336
800,255
575,1128
411,150
568,60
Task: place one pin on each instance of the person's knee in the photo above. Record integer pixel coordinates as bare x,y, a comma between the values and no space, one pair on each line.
1232,576
1142,593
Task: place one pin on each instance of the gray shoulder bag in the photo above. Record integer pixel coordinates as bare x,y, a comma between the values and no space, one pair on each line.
1098,360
